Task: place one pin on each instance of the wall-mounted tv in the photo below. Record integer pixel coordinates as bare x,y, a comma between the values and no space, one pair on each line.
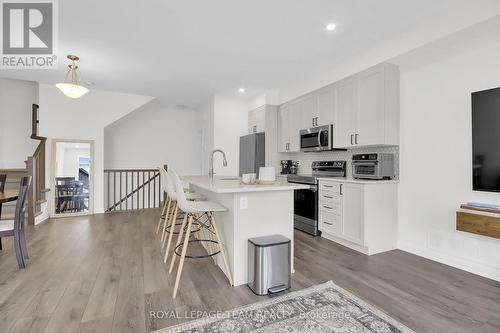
486,140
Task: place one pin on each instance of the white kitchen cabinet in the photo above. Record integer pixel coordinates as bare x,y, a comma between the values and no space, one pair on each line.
296,109
318,108
346,113
367,108
352,213
283,128
363,108
325,106
357,214
309,111
257,120
289,125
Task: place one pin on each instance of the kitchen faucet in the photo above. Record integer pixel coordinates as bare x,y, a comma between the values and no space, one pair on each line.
211,170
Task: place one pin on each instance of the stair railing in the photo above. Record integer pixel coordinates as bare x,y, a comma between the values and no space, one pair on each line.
132,189
36,169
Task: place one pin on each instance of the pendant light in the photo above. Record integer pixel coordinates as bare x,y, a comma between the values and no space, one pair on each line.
72,88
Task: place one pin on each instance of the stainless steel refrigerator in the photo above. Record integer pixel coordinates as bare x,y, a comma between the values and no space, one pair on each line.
252,153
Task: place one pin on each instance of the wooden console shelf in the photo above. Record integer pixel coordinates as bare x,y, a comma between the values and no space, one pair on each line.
477,222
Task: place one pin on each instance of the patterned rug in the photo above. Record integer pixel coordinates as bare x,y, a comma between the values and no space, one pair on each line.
321,308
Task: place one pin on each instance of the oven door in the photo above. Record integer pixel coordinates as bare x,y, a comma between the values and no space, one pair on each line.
306,210
369,170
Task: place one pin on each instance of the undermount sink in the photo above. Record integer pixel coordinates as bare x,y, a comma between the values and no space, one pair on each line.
229,178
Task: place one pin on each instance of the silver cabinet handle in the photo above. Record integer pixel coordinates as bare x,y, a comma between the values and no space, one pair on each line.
327,185
356,138
341,189
327,196
352,139
327,207
327,223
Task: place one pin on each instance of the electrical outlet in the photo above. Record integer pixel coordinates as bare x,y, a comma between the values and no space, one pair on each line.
243,202
299,162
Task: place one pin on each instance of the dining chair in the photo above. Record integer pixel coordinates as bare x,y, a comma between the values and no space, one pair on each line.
3,180
15,227
64,188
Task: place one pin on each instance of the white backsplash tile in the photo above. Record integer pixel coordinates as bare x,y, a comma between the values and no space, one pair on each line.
307,158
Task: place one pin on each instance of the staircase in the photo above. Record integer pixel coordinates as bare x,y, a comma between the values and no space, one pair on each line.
35,167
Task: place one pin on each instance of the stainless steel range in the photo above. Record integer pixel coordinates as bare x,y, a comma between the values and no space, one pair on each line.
306,201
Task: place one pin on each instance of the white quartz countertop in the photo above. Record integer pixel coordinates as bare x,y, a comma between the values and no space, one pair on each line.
232,185
359,181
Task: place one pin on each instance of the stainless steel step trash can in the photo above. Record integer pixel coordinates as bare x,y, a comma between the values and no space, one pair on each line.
269,264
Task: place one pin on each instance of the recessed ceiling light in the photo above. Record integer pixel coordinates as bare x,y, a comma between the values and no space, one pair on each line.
331,26
241,90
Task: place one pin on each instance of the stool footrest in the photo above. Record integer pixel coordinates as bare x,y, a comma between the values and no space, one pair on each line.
179,247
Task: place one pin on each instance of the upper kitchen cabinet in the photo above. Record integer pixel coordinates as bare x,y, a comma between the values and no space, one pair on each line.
289,126
257,120
318,108
325,106
367,108
309,111
283,128
346,112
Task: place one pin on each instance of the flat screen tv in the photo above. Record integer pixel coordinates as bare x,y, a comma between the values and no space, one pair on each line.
486,140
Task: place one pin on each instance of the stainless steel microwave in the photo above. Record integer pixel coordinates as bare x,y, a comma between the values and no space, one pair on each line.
316,138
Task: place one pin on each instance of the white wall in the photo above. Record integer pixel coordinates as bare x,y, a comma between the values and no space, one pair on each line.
16,99
154,135
84,118
68,161
462,14
436,147
207,144
230,122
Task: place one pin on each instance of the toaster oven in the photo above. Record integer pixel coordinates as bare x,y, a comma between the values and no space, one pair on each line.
373,166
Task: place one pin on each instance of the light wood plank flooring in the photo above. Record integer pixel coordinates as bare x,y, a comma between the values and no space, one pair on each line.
105,274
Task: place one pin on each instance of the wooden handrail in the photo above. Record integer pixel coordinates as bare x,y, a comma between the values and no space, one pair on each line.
36,167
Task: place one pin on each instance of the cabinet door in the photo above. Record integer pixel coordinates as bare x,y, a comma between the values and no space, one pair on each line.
346,111
330,223
251,122
295,117
371,121
309,111
352,213
325,106
260,119
283,128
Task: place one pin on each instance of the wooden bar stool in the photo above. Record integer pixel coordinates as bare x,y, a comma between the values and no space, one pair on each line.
194,211
170,222
169,210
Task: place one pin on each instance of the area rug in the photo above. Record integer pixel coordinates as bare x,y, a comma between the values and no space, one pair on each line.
322,308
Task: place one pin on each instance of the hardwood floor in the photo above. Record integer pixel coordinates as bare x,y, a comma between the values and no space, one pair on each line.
105,273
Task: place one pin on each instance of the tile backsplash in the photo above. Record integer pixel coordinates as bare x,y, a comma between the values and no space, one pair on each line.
307,158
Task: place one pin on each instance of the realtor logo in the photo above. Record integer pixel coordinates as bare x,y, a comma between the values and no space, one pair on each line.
28,34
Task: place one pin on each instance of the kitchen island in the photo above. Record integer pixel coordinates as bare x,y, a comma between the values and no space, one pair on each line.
253,211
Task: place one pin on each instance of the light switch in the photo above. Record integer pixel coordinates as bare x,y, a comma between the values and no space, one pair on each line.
243,202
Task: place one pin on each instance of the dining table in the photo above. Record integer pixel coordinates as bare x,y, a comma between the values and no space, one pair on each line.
7,196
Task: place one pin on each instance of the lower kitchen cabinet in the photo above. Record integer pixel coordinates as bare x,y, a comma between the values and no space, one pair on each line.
359,215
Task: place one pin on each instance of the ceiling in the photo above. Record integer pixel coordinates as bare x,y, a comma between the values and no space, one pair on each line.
184,52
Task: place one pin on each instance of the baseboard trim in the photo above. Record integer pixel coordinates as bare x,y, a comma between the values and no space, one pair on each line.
42,218
457,262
